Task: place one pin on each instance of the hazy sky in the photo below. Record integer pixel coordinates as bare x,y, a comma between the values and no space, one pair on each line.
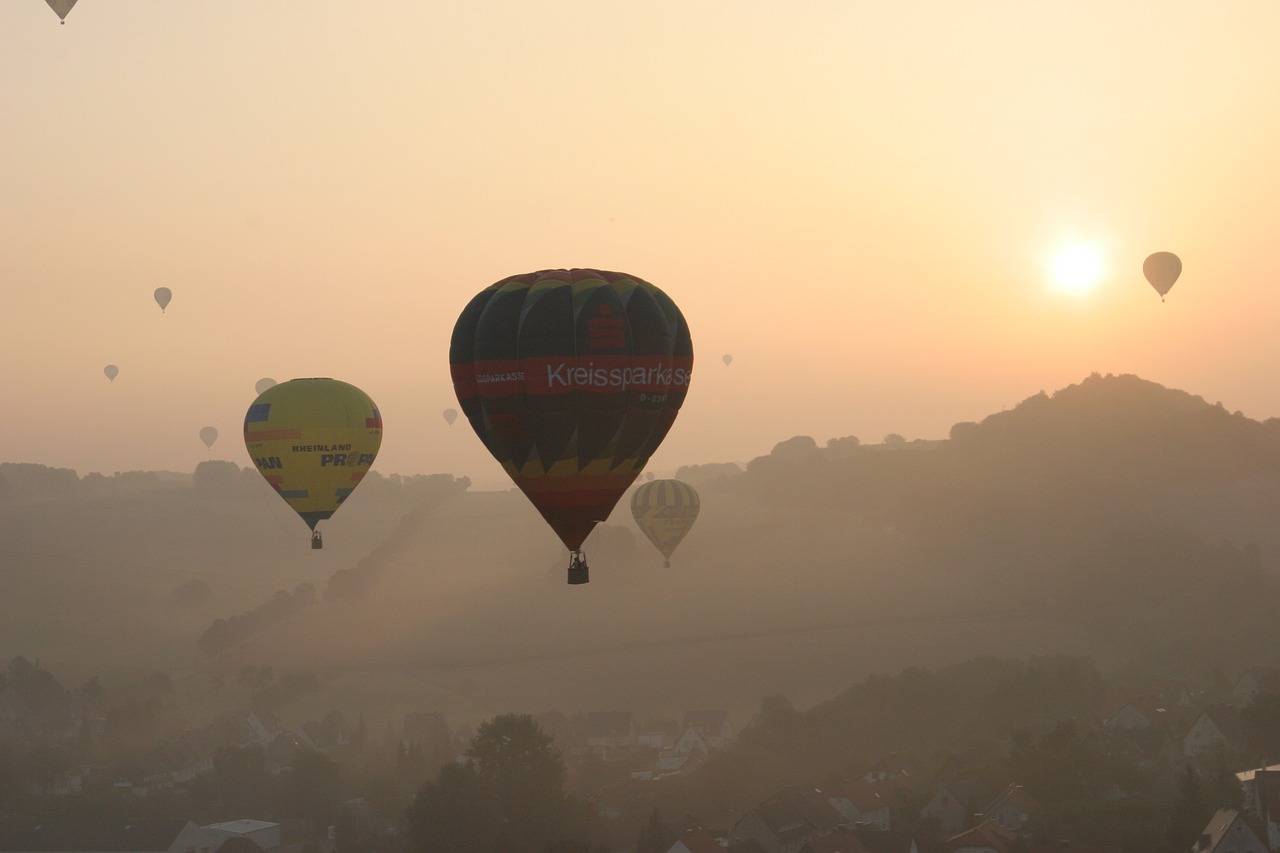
860,201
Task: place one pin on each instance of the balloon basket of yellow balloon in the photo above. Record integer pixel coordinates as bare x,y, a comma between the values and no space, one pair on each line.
578,568
316,542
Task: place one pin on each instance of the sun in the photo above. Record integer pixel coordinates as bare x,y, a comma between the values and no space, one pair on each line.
1077,269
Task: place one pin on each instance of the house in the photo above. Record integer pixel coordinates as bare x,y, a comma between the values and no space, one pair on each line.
262,833
1215,729
836,842
696,841
690,742
1012,808
607,731
986,837
658,734
1262,799
1255,680
861,802
713,727
954,802
885,841
1227,832
784,824
105,836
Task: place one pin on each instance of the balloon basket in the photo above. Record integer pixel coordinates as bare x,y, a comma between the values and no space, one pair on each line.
578,568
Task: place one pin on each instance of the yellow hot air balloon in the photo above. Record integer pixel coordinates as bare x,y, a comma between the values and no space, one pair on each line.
313,440
665,511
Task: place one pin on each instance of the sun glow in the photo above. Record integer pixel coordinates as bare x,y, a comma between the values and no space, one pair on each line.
1077,270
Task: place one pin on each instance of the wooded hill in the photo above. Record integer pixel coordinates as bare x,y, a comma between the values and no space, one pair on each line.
1115,518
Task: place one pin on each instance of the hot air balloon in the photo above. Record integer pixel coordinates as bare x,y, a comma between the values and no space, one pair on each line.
665,510
111,372
728,360
263,384
163,295
313,440
571,378
61,8
208,435
450,415
1162,270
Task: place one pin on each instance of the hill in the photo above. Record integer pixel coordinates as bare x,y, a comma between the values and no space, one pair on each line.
1115,518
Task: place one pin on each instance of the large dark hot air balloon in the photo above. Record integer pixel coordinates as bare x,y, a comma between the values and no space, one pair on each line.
571,378
1162,270
163,296
665,511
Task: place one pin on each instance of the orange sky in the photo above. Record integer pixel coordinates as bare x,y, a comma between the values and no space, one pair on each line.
858,200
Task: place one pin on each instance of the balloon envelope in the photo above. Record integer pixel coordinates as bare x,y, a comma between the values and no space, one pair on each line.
61,8
571,378
111,372
665,511
263,384
1162,270
313,440
208,435
450,415
163,295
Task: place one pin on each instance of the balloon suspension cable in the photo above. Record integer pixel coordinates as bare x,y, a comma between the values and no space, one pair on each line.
578,567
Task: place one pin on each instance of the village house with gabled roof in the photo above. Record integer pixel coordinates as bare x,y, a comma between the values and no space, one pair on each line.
608,731
713,727
265,834
1254,680
861,802
885,841
986,837
1262,800
1012,808
1216,729
104,836
696,841
837,842
1228,832
690,742
784,824
953,803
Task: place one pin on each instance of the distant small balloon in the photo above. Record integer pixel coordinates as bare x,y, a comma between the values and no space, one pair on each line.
728,360
61,8
450,415
111,371
163,295
1162,270
208,435
263,384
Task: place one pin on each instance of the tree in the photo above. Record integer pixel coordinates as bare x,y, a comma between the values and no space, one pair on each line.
1191,810
312,788
453,814
509,797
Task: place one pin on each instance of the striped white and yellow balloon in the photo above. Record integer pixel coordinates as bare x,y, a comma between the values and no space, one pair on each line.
665,510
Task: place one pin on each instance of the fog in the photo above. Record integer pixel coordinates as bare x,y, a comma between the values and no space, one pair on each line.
810,568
